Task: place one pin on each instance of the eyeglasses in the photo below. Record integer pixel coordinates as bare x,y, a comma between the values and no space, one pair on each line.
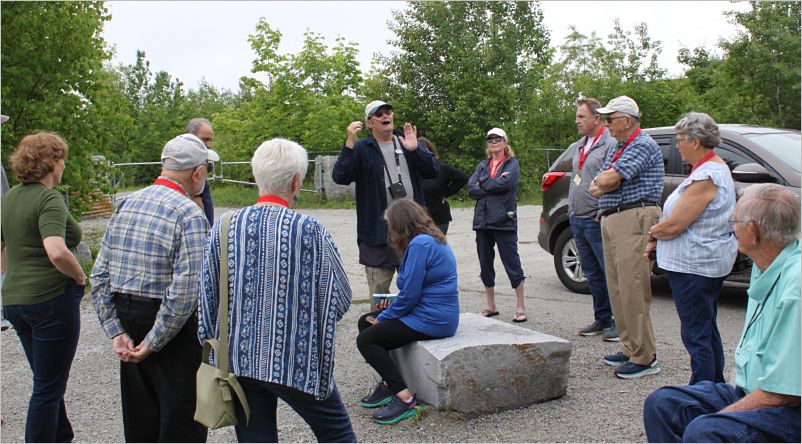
610,119
379,114
732,222
494,139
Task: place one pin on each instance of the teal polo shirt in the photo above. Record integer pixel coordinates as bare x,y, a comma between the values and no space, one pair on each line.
767,357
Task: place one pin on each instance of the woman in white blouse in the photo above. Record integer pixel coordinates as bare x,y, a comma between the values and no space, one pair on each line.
695,243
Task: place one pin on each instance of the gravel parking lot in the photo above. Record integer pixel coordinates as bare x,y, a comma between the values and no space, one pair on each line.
597,407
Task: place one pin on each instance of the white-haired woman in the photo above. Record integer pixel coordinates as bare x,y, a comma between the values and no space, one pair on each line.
287,289
695,244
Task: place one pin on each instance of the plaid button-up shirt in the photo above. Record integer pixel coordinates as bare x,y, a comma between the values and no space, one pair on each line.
153,247
642,172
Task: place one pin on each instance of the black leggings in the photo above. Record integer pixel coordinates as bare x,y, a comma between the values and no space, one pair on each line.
376,341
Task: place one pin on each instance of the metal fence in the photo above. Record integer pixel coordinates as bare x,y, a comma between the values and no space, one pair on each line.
227,172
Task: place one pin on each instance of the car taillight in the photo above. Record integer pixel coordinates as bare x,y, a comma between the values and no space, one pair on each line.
550,178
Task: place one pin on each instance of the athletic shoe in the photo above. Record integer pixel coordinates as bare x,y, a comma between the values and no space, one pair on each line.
630,370
380,397
616,359
396,411
593,329
610,335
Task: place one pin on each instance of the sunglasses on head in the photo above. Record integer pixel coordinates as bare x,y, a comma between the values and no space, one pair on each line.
494,139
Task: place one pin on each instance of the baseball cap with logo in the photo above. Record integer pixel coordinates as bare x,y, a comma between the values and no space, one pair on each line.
374,106
622,104
185,152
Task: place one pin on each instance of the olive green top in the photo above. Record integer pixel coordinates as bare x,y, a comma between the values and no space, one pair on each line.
30,213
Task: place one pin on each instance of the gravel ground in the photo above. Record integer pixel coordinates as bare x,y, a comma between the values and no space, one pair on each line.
597,407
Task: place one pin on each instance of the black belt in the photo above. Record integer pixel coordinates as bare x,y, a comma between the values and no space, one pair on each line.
134,297
641,204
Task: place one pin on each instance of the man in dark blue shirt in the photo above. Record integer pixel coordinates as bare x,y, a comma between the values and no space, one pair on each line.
202,128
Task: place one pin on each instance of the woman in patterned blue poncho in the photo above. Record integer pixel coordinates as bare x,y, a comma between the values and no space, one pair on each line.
288,289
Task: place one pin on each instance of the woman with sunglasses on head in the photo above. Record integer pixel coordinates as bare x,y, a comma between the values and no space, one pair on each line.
494,185
427,306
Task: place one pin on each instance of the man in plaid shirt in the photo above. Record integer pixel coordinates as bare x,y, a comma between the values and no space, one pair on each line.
143,289
629,186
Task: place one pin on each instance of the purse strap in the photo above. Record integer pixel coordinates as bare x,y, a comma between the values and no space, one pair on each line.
222,310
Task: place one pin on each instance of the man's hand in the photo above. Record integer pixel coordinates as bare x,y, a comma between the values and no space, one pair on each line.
353,128
139,354
410,140
123,346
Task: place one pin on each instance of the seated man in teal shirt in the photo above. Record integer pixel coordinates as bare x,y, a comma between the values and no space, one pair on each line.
763,405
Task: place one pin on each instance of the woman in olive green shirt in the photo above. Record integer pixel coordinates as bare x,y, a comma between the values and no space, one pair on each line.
43,282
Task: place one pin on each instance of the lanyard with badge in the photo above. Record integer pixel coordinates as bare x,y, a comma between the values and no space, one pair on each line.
583,155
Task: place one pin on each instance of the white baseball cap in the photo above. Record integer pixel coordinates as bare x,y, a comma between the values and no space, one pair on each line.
374,106
498,132
622,104
185,152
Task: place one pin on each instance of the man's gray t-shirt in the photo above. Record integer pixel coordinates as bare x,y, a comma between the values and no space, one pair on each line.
388,154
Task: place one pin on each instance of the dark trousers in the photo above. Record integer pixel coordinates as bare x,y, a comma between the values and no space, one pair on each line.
158,393
328,417
507,242
376,341
49,334
588,238
695,297
689,413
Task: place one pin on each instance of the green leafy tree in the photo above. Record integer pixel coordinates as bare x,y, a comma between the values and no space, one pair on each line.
53,79
462,68
309,97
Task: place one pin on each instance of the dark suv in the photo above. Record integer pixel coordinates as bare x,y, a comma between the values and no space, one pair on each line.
754,155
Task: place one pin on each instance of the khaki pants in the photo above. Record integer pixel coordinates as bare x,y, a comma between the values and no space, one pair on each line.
628,279
379,280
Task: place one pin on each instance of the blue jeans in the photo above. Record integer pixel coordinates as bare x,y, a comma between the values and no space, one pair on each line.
695,297
588,238
689,413
328,418
49,333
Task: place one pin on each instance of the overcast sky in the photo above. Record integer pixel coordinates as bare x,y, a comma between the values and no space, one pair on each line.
197,40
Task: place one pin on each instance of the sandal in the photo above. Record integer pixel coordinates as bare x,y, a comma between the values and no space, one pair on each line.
520,317
489,313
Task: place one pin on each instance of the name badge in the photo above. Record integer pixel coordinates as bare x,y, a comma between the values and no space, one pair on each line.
577,179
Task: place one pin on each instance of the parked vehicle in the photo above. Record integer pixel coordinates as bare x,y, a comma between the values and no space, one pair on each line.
754,154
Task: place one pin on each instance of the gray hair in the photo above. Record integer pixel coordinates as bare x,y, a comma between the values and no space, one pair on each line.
701,127
195,125
774,208
275,163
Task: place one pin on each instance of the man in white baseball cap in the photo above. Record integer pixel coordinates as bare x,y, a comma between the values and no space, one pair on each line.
143,289
386,166
629,186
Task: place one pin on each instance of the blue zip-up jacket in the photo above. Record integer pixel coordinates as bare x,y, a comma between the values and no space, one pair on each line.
428,299
364,165
495,198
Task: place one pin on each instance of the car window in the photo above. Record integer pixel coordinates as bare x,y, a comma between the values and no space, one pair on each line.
733,158
783,145
665,149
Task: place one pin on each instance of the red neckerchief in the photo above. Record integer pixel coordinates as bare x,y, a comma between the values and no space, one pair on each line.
493,170
584,154
170,184
621,150
273,199
707,157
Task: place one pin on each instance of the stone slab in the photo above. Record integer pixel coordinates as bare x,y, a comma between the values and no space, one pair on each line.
324,184
489,366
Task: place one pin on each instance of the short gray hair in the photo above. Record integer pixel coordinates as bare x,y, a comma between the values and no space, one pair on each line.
774,208
195,125
275,163
701,127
